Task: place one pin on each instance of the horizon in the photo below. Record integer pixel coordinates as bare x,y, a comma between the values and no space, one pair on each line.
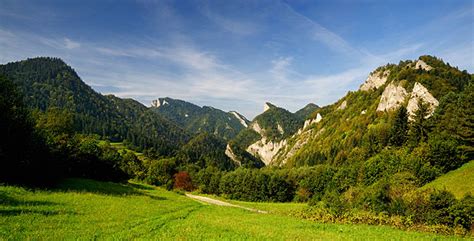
301,52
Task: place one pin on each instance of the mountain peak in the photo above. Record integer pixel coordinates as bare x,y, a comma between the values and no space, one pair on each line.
160,102
267,106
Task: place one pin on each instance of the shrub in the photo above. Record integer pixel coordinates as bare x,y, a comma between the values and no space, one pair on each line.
182,181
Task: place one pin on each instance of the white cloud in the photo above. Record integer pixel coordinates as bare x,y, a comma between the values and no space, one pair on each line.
69,44
280,68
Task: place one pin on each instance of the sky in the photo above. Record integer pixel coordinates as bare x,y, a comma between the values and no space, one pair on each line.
235,55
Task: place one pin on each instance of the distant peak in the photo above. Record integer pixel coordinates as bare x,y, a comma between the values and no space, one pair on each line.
160,102
267,106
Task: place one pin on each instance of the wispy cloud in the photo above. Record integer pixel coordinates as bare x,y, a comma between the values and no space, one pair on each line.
322,34
240,26
69,44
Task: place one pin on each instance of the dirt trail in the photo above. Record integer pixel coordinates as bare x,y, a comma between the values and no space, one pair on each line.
221,203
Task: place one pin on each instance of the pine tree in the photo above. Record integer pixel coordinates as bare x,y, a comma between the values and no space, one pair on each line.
398,133
419,127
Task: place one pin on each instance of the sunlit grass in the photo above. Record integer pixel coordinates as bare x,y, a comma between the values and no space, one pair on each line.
88,209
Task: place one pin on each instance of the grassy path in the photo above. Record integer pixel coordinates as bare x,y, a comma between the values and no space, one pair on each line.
221,203
84,209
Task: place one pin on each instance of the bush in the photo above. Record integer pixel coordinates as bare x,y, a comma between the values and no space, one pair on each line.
182,181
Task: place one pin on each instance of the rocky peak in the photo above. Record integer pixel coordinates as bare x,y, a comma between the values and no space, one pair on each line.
267,106
375,80
420,64
159,102
392,97
421,93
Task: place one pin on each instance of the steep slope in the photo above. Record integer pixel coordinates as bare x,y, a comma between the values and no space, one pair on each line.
197,119
361,124
206,150
305,112
266,134
49,82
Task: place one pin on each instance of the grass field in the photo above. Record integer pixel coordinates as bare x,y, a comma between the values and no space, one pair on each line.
459,181
88,209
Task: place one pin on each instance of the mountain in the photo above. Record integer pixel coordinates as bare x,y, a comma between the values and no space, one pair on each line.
424,104
197,119
366,122
306,111
265,135
49,82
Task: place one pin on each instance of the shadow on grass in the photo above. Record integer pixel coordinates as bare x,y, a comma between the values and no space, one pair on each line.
106,188
17,212
140,186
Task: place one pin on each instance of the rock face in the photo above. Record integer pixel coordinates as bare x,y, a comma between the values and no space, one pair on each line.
312,121
256,127
342,106
266,149
421,93
239,117
231,155
280,129
420,64
375,80
392,98
158,103
267,106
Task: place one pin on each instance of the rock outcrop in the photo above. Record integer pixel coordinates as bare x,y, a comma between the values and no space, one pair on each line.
312,121
420,64
342,106
159,102
421,93
266,149
239,117
256,127
392,97
375,80
231,155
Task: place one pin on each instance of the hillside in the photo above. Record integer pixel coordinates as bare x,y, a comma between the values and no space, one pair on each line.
266,133
459,182
361,124
49,82
197,119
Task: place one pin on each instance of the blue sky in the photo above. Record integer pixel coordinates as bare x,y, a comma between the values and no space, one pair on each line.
235,55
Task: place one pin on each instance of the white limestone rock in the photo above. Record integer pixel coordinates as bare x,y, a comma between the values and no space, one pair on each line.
266,107
420,64
155,103
256,127
266,149
421,93
312,121
375,80
240,118
231,155
392,98
342,106
280,129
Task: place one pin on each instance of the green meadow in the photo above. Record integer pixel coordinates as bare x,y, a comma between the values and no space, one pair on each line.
86,209
459,181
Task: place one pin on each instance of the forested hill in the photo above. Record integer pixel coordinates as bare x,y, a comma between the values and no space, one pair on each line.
196,119
49,82
423,106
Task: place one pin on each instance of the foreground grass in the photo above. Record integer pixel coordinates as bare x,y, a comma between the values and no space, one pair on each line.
88,210
459,181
